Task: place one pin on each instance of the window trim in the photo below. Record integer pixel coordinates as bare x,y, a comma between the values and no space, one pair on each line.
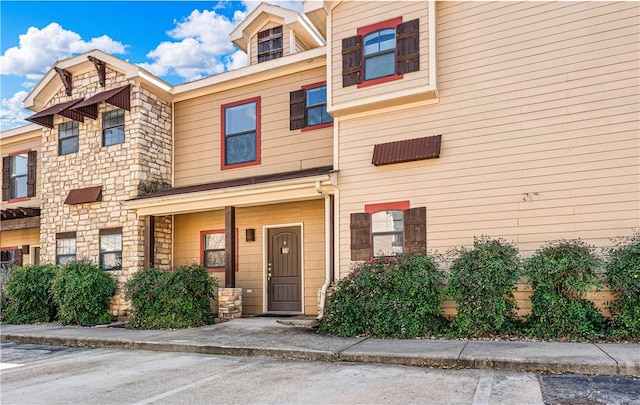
223,135
318,126
366,30
77,138
104,144
215,231
110,232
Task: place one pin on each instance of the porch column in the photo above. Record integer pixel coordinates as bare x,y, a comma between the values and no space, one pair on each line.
149,241
230,247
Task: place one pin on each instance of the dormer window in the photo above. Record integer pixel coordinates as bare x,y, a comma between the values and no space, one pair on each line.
270,44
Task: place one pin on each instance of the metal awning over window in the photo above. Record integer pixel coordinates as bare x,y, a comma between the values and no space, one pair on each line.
45,117
407,151
119,97
84,195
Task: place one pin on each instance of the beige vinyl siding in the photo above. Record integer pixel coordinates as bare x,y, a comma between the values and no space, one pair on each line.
20,237
197,133
250,274
344,25
538,111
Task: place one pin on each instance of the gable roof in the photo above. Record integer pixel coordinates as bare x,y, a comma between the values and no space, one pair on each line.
49,85
301,26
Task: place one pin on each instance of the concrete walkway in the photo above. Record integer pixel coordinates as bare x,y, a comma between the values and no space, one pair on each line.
269,338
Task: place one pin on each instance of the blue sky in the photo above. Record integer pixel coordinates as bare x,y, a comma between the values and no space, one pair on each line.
178,41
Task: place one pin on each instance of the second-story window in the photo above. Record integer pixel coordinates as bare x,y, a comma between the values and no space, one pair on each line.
241,133
113,127
308,108
19,175
316,107
270,44
68,137
380,54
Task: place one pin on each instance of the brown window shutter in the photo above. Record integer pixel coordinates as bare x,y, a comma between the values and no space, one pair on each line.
297,109
351,60
6,178
31,174
360,236
415,231
17,257
408,47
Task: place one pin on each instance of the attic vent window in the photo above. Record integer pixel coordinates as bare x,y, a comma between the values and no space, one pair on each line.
270,44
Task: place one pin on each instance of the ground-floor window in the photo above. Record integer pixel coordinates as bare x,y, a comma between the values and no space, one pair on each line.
65,248
111,249
213,249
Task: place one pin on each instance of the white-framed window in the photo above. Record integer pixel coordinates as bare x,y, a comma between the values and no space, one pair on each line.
386,233
68,134
65,250
379,53
111,249
241,133
213,249
113,127
18,176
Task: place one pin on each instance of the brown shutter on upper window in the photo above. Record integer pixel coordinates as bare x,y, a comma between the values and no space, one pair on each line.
408,47
360,236
351,60
31,174
6,178
415,231
296,109
17,257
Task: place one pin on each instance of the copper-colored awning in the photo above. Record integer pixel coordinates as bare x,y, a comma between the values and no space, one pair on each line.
119,97
407,151
84,195
45,117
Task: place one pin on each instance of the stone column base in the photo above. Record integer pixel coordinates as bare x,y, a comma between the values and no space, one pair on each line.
229,303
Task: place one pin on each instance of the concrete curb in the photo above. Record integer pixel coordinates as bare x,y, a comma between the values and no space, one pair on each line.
351,354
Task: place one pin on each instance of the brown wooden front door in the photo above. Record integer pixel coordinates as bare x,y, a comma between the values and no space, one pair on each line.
284,265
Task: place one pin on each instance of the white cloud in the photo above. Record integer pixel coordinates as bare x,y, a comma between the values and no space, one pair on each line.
202,45
12,114
290,4
39,49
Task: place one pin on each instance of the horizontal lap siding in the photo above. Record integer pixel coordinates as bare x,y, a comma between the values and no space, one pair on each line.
20,237
197,133
539,124
344,25
250,273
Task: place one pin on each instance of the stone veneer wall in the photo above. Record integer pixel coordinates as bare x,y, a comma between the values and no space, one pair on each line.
145,155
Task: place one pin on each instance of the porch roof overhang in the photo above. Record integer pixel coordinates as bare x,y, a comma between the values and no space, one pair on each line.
18,213
262,190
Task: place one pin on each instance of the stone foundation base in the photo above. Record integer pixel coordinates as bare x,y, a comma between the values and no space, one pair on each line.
229,303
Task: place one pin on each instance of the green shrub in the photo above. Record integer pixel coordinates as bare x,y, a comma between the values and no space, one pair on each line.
82,292
561,273
171,299
29,296
482,282
623,276
388,298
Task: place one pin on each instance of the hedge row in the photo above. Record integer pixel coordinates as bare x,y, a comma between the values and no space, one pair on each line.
379,298
79,294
